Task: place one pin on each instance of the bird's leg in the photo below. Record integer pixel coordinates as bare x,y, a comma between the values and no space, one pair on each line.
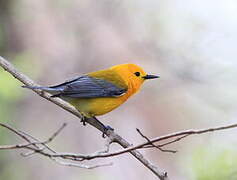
83,120
105,128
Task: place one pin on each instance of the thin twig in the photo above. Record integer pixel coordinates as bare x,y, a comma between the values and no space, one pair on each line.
80,165
32,146
44,143
18,133
152,144
183,134
175,140
55,134
177,135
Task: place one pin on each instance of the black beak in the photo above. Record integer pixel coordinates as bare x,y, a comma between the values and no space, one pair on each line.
150,77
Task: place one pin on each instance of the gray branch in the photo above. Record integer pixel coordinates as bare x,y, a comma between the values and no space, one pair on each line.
35,146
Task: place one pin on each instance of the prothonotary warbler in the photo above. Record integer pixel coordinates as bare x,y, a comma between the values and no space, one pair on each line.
100,92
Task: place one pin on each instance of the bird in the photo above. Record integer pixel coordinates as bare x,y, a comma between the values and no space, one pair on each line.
97,93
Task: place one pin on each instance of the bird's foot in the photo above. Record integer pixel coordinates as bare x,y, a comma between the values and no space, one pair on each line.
107,128
83,120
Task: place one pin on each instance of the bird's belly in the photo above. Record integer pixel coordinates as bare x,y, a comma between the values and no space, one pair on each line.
96,106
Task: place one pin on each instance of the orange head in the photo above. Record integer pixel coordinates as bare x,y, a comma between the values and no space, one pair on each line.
133,75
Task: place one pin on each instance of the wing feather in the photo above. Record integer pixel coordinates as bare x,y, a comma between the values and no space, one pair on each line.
88,87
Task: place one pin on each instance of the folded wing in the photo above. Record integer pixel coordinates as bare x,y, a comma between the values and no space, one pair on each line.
87,87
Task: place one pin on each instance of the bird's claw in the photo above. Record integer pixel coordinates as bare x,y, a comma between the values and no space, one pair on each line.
107,128
83,120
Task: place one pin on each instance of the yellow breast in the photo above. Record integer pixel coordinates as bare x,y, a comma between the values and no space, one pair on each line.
98,106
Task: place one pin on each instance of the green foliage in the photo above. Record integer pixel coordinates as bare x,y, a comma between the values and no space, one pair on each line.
214,164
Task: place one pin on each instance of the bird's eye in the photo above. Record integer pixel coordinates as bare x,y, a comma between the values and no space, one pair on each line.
137,73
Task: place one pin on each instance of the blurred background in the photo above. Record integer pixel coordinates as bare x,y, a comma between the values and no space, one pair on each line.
191,44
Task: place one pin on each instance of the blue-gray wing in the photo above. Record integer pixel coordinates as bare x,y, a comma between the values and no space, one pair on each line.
87,87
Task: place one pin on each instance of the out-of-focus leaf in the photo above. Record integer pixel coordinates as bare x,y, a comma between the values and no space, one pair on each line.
218,164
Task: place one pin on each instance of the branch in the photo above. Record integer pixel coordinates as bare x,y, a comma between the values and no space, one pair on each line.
153,145
66,106
45,142
35,146
149,144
